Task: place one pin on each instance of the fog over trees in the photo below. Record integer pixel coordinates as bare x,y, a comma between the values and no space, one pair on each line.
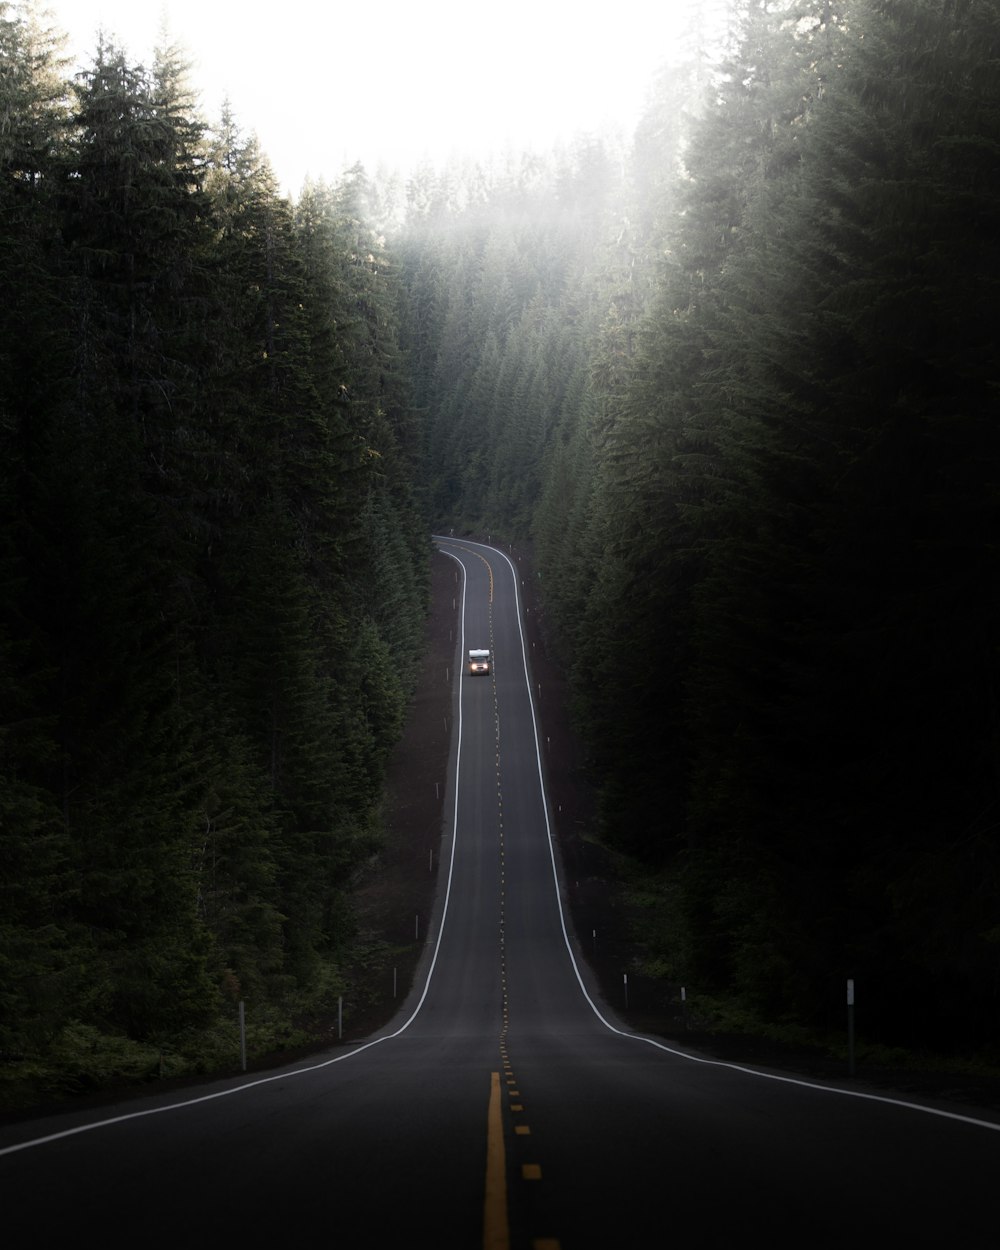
734,378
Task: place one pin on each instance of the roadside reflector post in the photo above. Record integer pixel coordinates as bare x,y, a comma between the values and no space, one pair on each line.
684,1009
850,1025
626,990
340,1018
243,1035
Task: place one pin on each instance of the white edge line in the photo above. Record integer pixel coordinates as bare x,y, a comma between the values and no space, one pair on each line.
316,1067
649,1041
636,1037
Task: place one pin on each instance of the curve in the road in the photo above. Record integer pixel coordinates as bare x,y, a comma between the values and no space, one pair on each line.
445,545
456,548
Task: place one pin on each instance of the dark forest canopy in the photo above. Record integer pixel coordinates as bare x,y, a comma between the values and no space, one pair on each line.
734,379
213,564
739,384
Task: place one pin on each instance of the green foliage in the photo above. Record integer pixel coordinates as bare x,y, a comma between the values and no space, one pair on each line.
497,306
795,504
213,561
737,384
743,400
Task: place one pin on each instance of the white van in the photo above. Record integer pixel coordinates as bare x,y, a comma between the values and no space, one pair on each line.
479,662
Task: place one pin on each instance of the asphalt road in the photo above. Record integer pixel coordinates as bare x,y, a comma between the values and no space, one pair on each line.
505,1106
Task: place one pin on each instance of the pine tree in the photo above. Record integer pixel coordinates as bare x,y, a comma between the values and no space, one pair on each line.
41,945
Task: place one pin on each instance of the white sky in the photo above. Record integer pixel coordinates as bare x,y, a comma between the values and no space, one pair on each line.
324,83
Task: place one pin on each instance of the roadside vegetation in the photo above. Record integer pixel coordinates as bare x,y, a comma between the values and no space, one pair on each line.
732,376
735,379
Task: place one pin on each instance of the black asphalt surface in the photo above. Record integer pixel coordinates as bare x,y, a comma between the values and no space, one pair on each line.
608,1139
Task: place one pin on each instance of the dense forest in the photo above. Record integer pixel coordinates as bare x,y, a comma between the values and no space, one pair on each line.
732,375
213,563
737,379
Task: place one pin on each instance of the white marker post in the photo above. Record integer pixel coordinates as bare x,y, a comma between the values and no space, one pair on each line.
850,1025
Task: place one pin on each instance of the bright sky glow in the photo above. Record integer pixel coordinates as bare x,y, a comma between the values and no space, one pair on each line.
325,84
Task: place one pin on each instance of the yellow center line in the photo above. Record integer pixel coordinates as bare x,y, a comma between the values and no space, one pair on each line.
496,1233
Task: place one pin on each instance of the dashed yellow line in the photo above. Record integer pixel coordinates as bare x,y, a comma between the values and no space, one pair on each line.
496,1230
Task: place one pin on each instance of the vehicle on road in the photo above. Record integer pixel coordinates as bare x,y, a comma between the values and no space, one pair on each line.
479,662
